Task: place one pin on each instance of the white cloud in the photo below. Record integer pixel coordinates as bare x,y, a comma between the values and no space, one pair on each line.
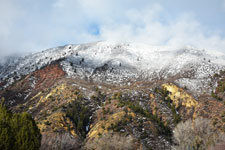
144,26
36,25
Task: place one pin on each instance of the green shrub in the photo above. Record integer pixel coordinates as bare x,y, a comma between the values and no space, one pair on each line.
163,129
79,114
165,96
216,97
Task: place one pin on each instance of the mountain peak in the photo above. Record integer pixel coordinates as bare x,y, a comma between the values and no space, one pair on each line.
106,61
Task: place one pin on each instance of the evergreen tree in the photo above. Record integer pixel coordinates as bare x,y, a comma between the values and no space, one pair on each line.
18,131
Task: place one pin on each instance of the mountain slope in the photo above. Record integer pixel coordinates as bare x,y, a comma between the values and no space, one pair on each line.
119,63
129,92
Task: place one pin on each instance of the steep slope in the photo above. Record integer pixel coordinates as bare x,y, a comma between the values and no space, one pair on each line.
33,83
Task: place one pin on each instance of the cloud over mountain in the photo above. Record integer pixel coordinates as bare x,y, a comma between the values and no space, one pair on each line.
28,26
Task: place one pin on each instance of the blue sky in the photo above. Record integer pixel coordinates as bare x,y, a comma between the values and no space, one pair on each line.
34,25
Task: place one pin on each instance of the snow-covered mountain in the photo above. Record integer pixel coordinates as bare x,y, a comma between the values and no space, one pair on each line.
135,90
123,63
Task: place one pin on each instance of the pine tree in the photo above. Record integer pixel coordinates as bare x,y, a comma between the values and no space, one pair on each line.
18,131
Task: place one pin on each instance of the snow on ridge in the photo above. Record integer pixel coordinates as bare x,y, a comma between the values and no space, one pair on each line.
145,57
124,60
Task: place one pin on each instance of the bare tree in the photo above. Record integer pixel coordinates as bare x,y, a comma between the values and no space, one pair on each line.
112,141
219,146
198,134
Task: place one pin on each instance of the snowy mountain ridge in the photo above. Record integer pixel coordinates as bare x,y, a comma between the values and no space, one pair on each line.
123,63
